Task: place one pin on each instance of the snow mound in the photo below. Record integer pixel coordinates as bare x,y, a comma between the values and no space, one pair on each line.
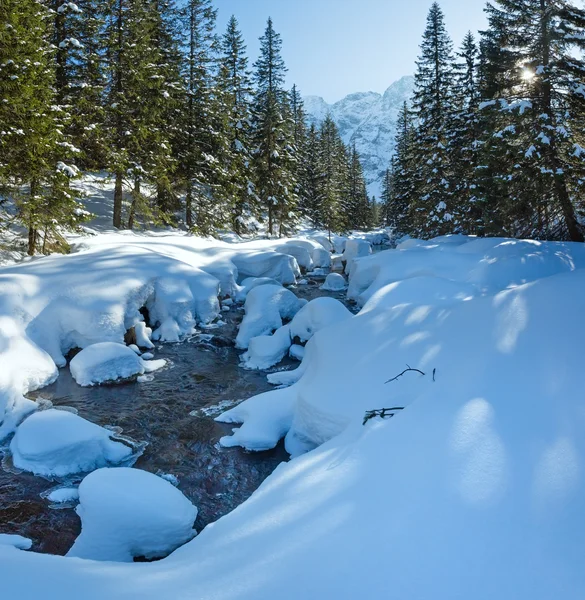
323,241
316,315
355,248
266,306
56,443
282,267
250,283
62,495
321,258
266,418
299,252
107,362
267,350
334,283
127,513
297,352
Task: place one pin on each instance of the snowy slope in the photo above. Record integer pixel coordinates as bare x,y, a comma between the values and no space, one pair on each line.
369,119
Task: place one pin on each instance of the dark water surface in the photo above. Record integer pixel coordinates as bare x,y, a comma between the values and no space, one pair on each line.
166,413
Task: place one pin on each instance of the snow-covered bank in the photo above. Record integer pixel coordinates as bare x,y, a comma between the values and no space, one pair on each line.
51,305
474,490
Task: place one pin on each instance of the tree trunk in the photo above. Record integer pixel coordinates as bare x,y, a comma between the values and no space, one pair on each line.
32,240
189,206
575,232
135,198
118,195
32,232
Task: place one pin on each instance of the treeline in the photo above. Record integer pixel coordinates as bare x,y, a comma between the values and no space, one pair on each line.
493,142
147,91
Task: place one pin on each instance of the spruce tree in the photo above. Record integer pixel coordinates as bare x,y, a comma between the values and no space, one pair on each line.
537,108
311,182
359,213
203,149
400,181
464,131
236,86
334,179
35,153
273,135
432,208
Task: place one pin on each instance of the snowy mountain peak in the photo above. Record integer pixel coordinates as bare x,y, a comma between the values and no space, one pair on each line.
369,120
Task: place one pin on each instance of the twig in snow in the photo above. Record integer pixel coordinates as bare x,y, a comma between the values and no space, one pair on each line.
384,413
408,369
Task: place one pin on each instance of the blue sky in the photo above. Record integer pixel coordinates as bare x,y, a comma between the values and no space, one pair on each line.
336,47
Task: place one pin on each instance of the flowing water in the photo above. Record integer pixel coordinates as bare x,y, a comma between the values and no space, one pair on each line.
173,414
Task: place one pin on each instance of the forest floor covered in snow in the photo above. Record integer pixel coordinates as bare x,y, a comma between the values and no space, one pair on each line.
470,484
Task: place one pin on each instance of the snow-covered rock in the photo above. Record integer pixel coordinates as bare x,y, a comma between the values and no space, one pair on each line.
250,283
62,495
266,306
127,513
316,315
265,351
324,241
58,443
334,283
297,352
282,267
355,248
321,258
109,362
299,252
266,418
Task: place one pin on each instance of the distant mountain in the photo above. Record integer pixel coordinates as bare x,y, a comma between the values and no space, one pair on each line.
369,119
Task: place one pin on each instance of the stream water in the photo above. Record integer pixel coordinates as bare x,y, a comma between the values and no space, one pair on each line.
173,414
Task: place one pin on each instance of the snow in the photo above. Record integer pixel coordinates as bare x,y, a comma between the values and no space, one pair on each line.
109,362
474,490
297,352
321,258
56,443
334,283
355,248
266,306
301,254
265,351
143,335
266,418
316,315
16,541
61,495
127,513
250,283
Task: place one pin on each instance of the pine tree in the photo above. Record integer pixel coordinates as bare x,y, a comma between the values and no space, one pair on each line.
299,126
84,79
35,153
400,181
273,135
235,84
359,210
334,178
537,107
311,182
464,131
204,147
432,211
